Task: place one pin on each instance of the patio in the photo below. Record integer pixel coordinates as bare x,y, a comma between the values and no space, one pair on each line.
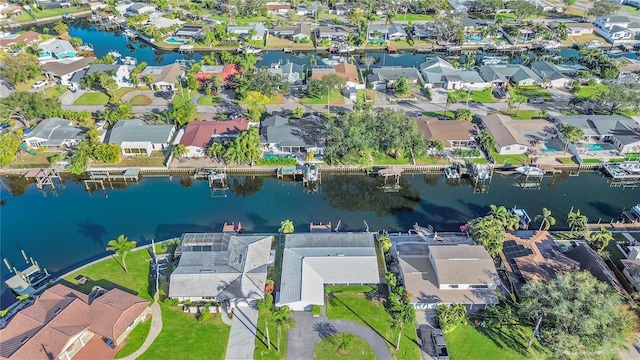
96,348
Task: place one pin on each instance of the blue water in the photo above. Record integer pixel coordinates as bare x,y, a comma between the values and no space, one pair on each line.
173,40
550,147
599,147
473,38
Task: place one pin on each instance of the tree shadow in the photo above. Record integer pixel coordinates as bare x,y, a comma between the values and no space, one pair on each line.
324,329
336,301
93,231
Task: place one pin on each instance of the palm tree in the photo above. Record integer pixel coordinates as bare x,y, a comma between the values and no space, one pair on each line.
487,141
576,221
282,317
502,215
405,313
546,219
368,61
121,247
600,239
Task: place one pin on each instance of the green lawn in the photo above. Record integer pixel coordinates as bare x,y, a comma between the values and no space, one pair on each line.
477,96
327,349
525,114
508,16
566,160
57,12
591,161
336,99
509,159
503,343
208,100
631,9
242,20
262,350
185,338
55,91
140,100
109,274
589,92
92,98
356,307
413,17
435,114
135,339
531,92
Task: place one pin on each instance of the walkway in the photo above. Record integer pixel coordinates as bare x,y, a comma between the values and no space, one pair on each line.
156,327
242,338
309,330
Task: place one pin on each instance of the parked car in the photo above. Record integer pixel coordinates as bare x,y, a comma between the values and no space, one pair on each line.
39,84
536,101
440,344
235,116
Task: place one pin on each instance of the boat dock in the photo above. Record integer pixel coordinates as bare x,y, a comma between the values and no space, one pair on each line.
186,49
45,178
628,170
482,175
453,172
524,219
310,174
26,281
320,227
232,228
99,176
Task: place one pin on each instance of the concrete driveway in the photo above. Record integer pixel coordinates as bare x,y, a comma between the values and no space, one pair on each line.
308,331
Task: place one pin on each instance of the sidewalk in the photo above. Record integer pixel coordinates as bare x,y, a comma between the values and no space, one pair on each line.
156,327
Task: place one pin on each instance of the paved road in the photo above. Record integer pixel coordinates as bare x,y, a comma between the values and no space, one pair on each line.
308,331
156,328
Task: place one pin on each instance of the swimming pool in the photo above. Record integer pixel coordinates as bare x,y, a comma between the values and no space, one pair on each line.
598,147
172,40
270,155
473,38
551,146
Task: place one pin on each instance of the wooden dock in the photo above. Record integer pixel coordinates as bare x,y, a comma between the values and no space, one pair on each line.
624,171
232,228
324,228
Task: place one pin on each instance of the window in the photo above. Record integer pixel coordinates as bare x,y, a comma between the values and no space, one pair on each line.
508,148
453,286
521,147
479,286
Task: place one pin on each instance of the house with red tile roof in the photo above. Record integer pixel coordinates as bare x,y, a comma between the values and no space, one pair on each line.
61,321
198,135
225,72
27,38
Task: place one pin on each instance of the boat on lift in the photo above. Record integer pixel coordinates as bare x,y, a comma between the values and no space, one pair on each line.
530,170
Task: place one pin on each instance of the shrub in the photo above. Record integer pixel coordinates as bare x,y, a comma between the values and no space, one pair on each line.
316,310
266,303
171,302
277,161
204,316
385,243
451,316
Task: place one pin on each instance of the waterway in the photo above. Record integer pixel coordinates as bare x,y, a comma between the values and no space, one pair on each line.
69,229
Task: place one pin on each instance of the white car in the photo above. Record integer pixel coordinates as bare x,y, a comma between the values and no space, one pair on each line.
536,101
39,84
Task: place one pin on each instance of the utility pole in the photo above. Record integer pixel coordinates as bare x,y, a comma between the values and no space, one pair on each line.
535,331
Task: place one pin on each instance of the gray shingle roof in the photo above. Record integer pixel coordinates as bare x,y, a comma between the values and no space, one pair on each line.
620,127
56,131
396,72
515,72
307,132
137,130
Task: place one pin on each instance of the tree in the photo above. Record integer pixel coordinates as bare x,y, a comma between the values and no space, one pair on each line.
487,141
603,8
286,227
401,86
403,314
463,115
9,146
117,112
488,232
391,279
367,61
298,112
61,28
546,220
600,239
121,247
256,105
260,80
572,134
385,243
581,316
21,68
216,83
108,153
619,96
576,221
450,316
282,317
522,9
504,217
182,113
179,151
519,99
216,150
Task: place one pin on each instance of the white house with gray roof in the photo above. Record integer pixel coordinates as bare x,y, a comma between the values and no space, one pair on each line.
615,28
439,73
135,137
294,73
313,260
120,74
623,133
221,267
501,75
259,29
377,33
278,135
55,132
384,77
509,141
554,75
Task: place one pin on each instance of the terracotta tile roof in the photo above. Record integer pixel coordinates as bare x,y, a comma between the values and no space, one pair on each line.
199,133
445,130
226,73
348,71
112,312
26,37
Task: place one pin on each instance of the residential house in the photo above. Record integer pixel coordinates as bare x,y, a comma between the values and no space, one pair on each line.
135,137
575,28
198,135
377,33
120,73
439,73
164,78
631,267
140,9
461,6
27,38
448,274
553,75
294,73
65,69
502,74
9,10
61,321
160,22
384,77
475,27
333,32
341,9
424,31
614,28
294,33
313,260
278,135
454,134
190,32
221,267
619,131
243,31
592,262
55,133
56,49
225,72
508,140
533,255
277,8
348,72
629,70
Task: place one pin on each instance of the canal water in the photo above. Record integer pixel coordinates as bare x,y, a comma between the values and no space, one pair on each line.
69,229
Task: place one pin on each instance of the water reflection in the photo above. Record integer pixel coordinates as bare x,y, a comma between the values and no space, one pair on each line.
246,185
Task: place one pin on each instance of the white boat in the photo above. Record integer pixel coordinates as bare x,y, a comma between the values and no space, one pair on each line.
114,53
552,45
128,60
249,50
594,44
129,33
522,215
630,166
334,60
85,47
494,60
347,49
530,171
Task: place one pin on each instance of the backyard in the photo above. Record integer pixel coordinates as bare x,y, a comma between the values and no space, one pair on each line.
589,92
495,343
208,100
509,159
352,303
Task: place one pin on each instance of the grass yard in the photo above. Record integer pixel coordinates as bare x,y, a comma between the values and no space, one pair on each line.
477,96
589,92
566,160
208,100
509,159
140,100
588,38
142,161
425,160
92,98
435,114
526,114
414,17
336,99
352,305
502,343
591,161
55,91
135,339
183,337
24,160
531,92
262,350
242,20
109,274
274,42
26,86
56,12
507,16
328,349
631,9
